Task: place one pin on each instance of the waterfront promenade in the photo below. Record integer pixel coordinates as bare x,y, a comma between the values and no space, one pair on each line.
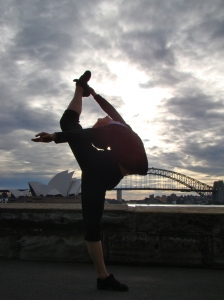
44,256
30,280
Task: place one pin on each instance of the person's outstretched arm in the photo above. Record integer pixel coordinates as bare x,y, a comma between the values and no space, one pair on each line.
57,137
44,137
62,136
107,107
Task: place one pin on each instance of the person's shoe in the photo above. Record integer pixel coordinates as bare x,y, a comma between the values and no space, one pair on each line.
110,283
83,82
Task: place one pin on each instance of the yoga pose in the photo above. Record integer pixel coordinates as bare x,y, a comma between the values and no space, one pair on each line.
101,170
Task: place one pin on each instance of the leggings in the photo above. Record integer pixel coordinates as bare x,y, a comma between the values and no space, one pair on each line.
100,172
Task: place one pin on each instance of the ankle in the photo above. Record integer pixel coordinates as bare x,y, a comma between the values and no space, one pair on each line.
79,88
103,275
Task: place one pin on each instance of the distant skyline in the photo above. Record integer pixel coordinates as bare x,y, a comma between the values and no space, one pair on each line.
141,195
160,63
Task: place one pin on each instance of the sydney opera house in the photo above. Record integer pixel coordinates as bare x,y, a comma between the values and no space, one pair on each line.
61,184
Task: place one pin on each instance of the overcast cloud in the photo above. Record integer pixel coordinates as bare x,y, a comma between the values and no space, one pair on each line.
175,48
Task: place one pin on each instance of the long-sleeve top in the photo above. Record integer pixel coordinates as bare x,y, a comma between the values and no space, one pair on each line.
65,136
126,145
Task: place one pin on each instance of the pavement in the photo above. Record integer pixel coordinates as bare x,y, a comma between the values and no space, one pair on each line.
32,280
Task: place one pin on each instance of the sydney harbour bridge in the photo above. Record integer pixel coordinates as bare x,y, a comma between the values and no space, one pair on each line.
160,179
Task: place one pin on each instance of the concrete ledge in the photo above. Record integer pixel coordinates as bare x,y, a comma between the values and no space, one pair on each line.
191,236
153,208
183,209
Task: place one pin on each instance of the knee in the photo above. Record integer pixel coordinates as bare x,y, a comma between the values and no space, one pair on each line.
92,229
93,236
69,120
64,122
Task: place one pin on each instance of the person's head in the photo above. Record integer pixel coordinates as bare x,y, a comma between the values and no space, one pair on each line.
102,122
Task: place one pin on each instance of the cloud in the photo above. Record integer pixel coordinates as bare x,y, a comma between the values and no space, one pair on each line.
175,47
194,124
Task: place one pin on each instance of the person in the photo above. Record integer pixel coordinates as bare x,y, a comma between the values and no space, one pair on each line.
105,153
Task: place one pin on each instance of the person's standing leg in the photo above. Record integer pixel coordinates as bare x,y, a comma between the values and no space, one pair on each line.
103,174
93,198
95,250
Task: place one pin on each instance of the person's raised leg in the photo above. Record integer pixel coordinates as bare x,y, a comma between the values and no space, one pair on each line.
76,103
82,90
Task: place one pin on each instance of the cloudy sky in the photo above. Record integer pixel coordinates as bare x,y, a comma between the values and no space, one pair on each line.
159,62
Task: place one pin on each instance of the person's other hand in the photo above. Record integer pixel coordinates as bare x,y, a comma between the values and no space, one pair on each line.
92,92
44,137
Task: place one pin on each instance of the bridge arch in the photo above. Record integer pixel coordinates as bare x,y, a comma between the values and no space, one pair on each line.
137,182
193,184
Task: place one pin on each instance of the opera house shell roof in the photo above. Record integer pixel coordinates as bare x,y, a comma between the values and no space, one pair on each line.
62,184
18,193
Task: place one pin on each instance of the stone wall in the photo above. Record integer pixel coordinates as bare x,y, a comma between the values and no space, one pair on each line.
191,236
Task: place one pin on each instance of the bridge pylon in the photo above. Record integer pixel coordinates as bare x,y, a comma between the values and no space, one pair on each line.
218,194
119,196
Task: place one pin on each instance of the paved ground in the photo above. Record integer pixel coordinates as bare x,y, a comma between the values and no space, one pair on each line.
27,280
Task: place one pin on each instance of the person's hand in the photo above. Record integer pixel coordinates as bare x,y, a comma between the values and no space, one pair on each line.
92,92
44,137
